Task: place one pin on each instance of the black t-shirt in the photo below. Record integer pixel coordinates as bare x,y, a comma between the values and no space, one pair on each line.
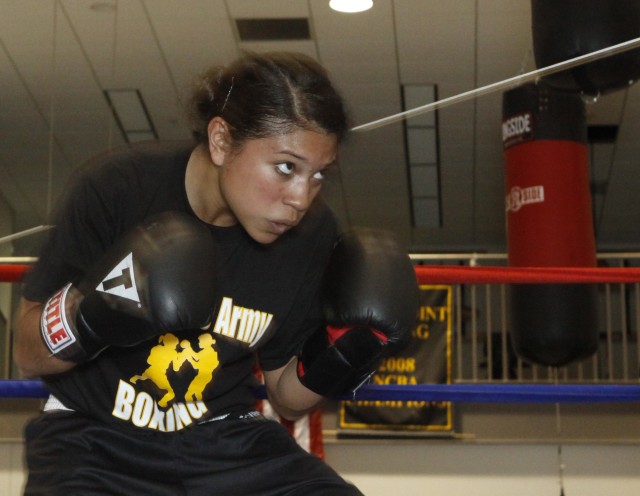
268,297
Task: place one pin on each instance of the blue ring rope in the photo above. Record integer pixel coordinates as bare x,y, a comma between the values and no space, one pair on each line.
457,393
22,389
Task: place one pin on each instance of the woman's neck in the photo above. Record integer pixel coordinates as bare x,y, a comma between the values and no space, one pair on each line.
203,191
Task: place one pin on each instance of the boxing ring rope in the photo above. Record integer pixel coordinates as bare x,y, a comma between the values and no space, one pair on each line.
483,393
525,275
449,274
457,393
12,273
534,75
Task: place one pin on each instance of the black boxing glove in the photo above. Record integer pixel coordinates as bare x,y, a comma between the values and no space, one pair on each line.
159,277
370,302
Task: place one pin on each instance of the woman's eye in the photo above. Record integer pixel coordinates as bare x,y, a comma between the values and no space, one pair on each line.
319,176
285,168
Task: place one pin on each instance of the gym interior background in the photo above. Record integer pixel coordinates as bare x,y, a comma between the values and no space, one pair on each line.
81,76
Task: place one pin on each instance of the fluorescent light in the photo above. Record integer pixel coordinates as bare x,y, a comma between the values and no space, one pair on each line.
131,114
351,6
423,162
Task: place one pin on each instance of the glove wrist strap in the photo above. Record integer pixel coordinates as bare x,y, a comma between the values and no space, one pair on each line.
57,326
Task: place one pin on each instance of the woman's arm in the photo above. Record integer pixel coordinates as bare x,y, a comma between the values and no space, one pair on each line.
30,354
287,395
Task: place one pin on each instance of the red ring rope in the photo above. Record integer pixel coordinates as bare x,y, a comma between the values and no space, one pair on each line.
450,274
525,275
12,272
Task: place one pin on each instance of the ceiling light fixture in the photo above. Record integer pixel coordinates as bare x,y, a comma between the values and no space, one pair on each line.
131,114
102,7
351,6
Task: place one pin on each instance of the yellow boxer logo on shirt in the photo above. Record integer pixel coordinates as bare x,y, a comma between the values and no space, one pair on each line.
172,353
181,360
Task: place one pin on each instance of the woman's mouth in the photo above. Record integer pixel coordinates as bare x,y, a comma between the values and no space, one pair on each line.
280,227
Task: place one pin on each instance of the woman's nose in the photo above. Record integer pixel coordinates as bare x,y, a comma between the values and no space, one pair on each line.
299,195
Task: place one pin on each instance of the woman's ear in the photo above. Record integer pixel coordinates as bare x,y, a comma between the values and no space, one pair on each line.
219,140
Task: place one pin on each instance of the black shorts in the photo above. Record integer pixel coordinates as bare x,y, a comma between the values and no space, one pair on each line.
69,454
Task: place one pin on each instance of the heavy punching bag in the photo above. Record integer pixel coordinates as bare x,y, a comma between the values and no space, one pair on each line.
549,222
565,29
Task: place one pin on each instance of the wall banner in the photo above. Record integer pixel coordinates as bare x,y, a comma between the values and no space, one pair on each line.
425,360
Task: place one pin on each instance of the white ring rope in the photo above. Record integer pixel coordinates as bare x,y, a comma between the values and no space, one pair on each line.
491,88
22,234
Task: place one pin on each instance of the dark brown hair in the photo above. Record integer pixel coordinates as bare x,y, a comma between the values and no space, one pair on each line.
261,95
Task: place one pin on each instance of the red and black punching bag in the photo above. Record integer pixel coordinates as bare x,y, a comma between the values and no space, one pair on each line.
565,29
549,222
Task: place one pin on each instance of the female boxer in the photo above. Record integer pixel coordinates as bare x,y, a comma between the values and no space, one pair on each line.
172,267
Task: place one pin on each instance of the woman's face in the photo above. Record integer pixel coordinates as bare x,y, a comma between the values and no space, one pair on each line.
269,184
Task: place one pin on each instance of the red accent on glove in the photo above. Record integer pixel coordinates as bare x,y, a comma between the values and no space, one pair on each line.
336,333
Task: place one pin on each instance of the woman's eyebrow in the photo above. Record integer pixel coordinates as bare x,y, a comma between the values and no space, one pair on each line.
292,154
